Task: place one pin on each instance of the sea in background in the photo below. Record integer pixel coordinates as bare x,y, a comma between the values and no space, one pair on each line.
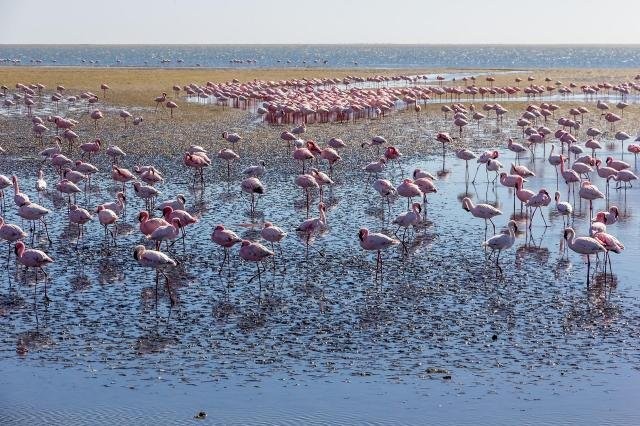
325,56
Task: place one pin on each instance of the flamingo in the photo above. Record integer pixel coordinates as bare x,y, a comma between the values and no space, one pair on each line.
158,261
255,171
386,190
19,198
313,226
502,242
254,252
541,199
226,239
409,219
176,204
564,208
80,217
36,259
10,233
108,217
482,211
377,242
229,156
590,192
375,167
484,159
148,225
409,189
303,155
232,138
160,100
611,244
274,235
90,148
198,162
253,186
608,217
34,212
118,206
171,105
166,233
122,175
584,245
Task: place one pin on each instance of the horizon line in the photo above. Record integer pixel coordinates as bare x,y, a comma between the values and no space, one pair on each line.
322,44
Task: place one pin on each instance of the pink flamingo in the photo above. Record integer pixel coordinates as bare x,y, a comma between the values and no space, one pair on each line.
313,226
252,186
124,114
590,192
95,116
36,259
80,217
229,156
148,225
482,211
611,244
502,242
539,200
90,148
255,252
184,217
274,235
166,233
160,100
108,217
233,138
408,189
608,217
158,261
584,245
171,105
10,233
303,155
198,163
226,239
484,159
376,242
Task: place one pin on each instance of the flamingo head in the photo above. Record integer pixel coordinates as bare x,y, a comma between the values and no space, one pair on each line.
245,243
143,215
495,154
615,211
167,210
19,248
137,252
181,198
120,196
466,202
363,233
217,228
267,225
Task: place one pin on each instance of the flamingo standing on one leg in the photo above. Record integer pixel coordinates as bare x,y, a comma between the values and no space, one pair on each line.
35,259
376,242
502,242
255,252
226,239
158,261
584,245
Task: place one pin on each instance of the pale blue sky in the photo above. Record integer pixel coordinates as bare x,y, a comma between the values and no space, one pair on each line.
325,21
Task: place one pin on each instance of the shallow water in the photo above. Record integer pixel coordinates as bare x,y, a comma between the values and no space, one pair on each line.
332,56
322,341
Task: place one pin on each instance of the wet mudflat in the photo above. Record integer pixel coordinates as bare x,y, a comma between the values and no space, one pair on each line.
317,338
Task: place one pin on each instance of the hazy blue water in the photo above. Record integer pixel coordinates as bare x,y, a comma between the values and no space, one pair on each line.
334,56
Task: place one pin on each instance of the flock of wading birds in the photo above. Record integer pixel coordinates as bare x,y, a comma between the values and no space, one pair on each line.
171,225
